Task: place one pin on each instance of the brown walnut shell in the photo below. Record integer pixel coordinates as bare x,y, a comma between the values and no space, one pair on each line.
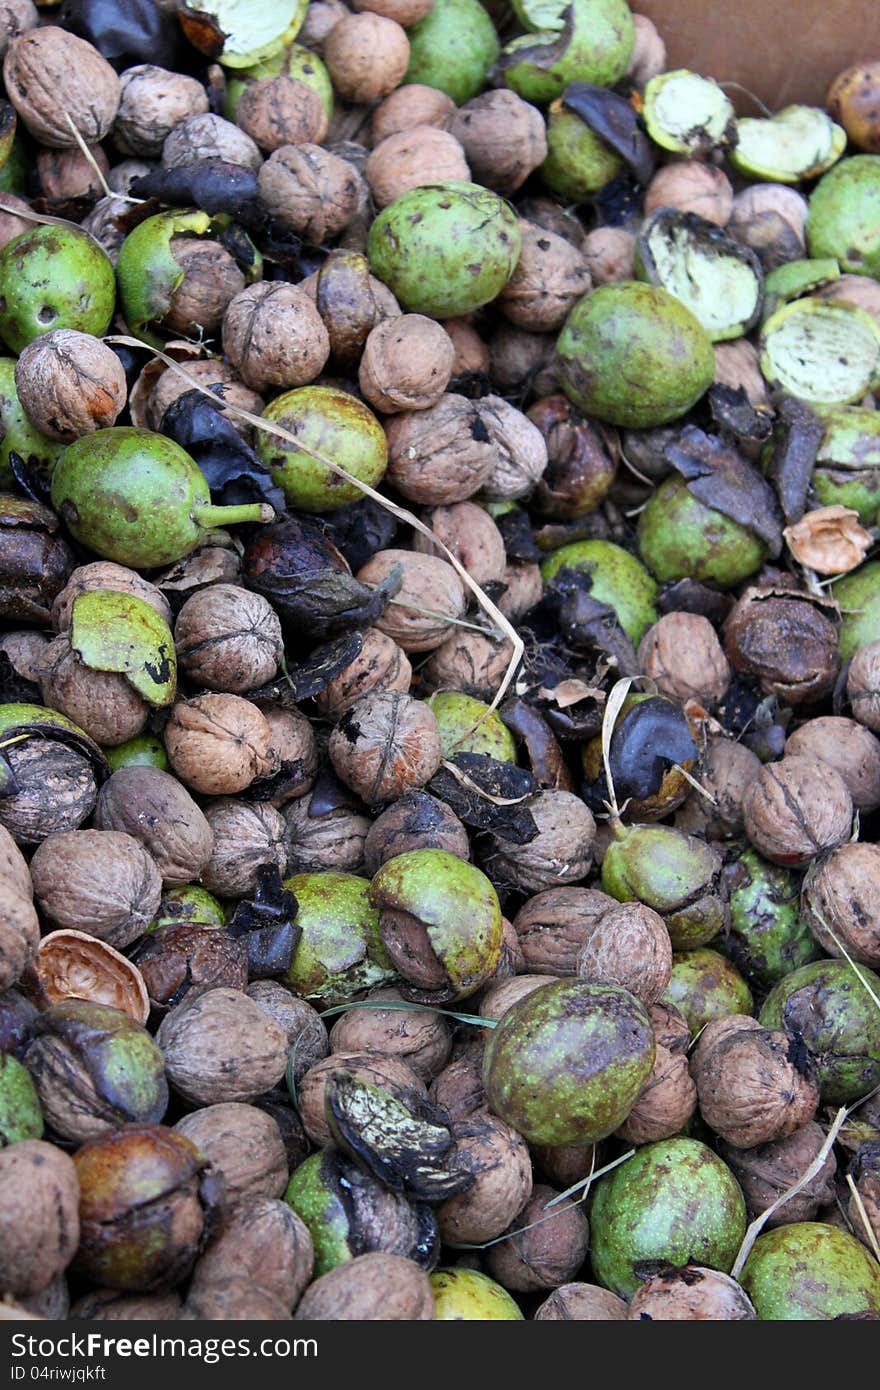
228,639
152,102
408,106
504,138
102,882
367,56
72,965
472,536
498,1158
848,747
581,1303
561,852
220,1047
219,744
629,946
796,808
155,809
104,574
531,1261
370,1288
406,364
432,587
550,277
840,898
274,336
265,1242
417,821
377,1069
19,933
665,1103
422,1040
103,703
39,1221
410,158
682,655
309,190
333,839
243,1146
767,1171
49,72
691,1294
440,455
276,111
246,836
749,1091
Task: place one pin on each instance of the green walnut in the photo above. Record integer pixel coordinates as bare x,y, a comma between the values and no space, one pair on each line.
452,48
616,578
333,423
704,985
190,904
680,537
137,498
673,1202
445,249
470,726
21,1115
768,938
148,273
859,597
847,471
466,1295
340,952
145,750
810,1272
827,1010
844,216
18,435
825,354
578,162
566,1063
117,632
440,923
678,875
583,41
54,277
633,355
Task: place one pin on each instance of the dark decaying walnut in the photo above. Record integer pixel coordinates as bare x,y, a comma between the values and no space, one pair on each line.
786,641
416,821
265,1242
384,745
246,835
153,807
39,1221
152,102
51,74
55,790
243,1146
440,455
98,881
221,1046
183,959
228,639
350,302
274,336
70,384
373,1287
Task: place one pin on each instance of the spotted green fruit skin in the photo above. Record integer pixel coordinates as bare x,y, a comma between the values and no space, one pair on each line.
445,249
17,432
333,423
704,985
145,750
633,355
465,1295
673,873
767,937
827,1009
339,951
616,578
859,597
469,726
54,277
452,48
596,48
844,216
565,1064
809,1272
673,1202
681,538
191,904
578,162
316,1203
21,1116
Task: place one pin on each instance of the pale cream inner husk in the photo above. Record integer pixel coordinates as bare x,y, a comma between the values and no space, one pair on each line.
690,103
824,356
721,291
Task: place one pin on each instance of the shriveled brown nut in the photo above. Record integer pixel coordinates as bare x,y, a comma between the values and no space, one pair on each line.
276,111
550,276
380,665
416,821
391,1073
523,588
70,383
629,946
243,1146
737,365
504,138
669,1027
16,17
104,574
385,744
560,853
309,190
49,74
610,255
103,223
796,808
691,187
665,1103
499,998
103,703
471,662
293,739
412,105
98,881
69,174
19,933
863,686
235,1298
520,450
209,137
211,279
350,302
691,1294
767,1171
152,102
440,455
367,56
410,158
849,748
14,871
472,536
727,769
542,1257
802,667
648,57
553,927
582,1302
406,364
219,744
422,1040
769,218
229,639
39,1222
247,835
265,1242
274,336
682,654
155,809
324,838
160,387
498,1158
369,1288
108,1305
840,902
523,363
221,1046
433,589
749,1091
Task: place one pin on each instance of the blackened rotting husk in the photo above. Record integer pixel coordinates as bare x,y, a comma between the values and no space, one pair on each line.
519,542
404,1149
544,754
267,922
34,482
89,1043
587,624
360,529
136,32
647,741
330,794
379,1219
690,596
470,795
616,122
214,185
234,471
720,478
754,718
17,1017
734,414
303,680
796,444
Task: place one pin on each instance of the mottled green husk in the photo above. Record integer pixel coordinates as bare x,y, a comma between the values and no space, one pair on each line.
21,1115
315,1201
54,277
844,216
334,423
465,1295
468,726
681,538
145,750
858,595
767,937
452,48
704,985
826,1008
118,632
339,952
17,432
808,1271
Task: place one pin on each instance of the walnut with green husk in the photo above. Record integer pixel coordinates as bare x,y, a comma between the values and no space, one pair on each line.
719,280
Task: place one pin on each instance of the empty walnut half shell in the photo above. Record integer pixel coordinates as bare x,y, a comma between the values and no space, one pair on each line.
72,965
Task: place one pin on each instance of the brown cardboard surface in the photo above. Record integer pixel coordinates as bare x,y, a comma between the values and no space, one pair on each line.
782,50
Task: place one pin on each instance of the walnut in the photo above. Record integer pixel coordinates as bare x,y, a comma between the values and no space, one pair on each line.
14,871
391,1073
523,363
50,74
155,809
551,275
159,386
265,1242
829,540
670,1028
246,836
55,790
458,1090
840,898
293,739
629,946
103,703
691,187
860,290
432,587
384,745
691,1294
416,821
211,279
738,365
422,1040
648,57
321,16
404,12
498,998
553,927
274,336
408,159
749,1091
610,255
367,56
504,138
233,1298
796,808
520,450
769,218
540,1254
152,102
760,198
370,1288
330,838
471,662
221,1046
440,455
19,933
768,1170
122,175
409,106
305,1029
243,1146
863,686
350,302
665,1103
69,174
498,1158
103,574
380,665
726,770
523,589
39,1221
471,353
12,225
309,191
802,668
559,854
276,111
682,655
208,136
183,959
16,17
219,744
106,1305
228,638
582,1302
26,653
472,536
102,882
70,384
849,748
406,364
